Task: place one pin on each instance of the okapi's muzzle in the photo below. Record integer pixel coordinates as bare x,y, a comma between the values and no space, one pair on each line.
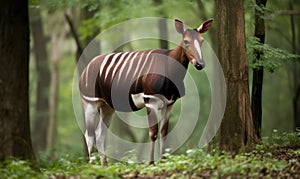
199,66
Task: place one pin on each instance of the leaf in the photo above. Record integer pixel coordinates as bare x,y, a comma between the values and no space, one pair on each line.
271,57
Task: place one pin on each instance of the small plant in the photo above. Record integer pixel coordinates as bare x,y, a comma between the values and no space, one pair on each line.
284,139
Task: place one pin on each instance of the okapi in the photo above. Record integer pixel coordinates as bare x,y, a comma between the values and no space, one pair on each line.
130,81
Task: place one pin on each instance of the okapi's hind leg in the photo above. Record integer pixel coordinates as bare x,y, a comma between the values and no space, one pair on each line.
164,125
90,113
106,113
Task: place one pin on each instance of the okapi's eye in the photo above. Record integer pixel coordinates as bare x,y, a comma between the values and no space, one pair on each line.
186,43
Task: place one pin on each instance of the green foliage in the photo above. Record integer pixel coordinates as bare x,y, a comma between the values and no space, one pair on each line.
88,28
272,57
264,12
267,160
15,169
194,162
55,5
109,13
283,139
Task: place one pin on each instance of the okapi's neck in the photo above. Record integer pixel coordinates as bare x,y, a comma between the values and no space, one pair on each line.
179,55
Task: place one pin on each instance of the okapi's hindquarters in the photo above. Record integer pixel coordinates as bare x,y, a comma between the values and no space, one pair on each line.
92,111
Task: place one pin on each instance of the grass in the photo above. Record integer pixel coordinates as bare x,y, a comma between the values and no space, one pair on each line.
279,157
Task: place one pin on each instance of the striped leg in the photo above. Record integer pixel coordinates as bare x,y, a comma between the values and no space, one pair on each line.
106,113
164,128
91,114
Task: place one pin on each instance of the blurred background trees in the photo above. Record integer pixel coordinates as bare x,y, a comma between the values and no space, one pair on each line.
60,29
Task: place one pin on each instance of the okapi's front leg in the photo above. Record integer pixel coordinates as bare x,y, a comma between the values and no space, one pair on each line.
164,124
106,113
153,126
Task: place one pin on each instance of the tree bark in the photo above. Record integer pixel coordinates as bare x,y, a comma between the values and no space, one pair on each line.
297,96
237,131
296,72
40,127
258,73
15,140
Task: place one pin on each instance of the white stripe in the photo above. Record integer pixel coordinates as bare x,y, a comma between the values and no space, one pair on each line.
119,63
137,66
90,98
87,70
124,65
145,61
111,64
130,65
198,48
150,65
86,75
104,62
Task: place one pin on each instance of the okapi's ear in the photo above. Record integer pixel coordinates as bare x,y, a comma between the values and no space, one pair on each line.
205,26
179,26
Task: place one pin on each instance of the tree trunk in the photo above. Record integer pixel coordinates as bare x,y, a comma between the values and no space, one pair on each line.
237,131
43,81
258,73
54,89
57,36
297,93
14,82
162,25
296,72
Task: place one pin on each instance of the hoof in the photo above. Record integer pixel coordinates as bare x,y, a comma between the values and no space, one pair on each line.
104,163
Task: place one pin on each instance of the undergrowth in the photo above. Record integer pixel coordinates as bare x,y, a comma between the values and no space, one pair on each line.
280,153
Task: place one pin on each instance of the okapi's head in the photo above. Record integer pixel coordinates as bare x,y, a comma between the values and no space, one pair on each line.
192,42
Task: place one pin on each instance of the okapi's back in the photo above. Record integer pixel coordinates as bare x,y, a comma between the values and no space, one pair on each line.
121,74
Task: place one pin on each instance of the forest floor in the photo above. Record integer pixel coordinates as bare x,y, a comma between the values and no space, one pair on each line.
279,157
